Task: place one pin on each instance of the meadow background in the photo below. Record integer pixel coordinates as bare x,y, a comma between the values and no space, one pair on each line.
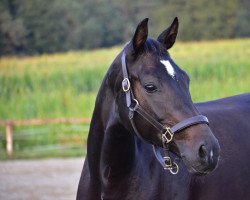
66,84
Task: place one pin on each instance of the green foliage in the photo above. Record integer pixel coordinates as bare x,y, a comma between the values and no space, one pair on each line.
12,31
45,26
241,26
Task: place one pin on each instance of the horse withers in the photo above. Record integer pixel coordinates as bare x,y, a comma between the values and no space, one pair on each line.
144,101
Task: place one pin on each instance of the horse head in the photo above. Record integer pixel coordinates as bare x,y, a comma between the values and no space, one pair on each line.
161,88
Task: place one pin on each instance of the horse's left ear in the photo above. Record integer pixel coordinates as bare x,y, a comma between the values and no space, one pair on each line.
167,37
140,35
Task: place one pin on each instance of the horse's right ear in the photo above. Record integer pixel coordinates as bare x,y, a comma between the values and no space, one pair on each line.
140,35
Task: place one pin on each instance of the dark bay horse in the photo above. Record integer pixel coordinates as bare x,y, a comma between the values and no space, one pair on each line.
144,101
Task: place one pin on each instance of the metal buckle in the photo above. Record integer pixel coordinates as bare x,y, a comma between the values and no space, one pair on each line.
164,135
126,85
168,162
136,105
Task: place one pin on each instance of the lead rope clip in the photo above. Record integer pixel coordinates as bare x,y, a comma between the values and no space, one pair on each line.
168,164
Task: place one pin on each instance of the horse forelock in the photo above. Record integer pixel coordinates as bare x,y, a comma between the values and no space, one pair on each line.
151,46
154,47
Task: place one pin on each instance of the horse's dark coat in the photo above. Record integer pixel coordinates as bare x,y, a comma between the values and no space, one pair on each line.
229,119
120,166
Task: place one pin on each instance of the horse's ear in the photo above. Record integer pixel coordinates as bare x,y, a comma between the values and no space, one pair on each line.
140,35
167,37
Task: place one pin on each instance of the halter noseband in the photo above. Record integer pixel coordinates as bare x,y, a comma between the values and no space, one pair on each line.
167,133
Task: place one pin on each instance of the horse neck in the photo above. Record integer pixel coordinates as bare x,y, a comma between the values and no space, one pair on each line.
110,146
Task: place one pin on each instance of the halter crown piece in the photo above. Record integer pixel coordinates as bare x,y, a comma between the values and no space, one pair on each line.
167,133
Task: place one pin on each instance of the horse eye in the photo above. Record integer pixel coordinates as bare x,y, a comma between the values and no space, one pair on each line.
150,88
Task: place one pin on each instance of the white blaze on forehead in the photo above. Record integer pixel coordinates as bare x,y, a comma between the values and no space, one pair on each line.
168,67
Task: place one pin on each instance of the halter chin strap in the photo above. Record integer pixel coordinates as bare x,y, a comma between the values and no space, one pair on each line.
167,133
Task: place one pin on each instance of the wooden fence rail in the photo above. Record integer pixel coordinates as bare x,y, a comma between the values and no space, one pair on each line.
10,124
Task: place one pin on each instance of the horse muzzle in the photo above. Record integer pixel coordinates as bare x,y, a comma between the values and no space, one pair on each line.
205,158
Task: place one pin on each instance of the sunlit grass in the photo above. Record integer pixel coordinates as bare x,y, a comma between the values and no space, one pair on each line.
66,84
69,62
217,69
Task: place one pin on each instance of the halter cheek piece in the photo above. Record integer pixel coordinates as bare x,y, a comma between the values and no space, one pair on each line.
167,133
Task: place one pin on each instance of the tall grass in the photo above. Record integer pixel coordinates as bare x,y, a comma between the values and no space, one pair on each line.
52,85
217,69
65,85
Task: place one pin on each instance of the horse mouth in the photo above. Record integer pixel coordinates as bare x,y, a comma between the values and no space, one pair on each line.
199,170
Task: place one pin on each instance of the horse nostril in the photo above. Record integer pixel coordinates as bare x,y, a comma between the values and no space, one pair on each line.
203,152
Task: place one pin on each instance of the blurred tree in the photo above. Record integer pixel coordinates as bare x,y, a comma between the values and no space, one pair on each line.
242,21
12,30
101,25
199,19
46,26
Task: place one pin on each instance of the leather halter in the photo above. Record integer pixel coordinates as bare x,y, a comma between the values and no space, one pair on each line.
167,133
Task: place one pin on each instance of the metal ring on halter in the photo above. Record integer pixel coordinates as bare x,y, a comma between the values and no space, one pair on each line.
174,169
164,135
125,85
136,105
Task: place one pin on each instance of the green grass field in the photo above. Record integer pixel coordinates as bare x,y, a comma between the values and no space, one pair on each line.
65,85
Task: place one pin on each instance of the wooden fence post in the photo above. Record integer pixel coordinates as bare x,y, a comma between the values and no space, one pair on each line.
9,139
10,124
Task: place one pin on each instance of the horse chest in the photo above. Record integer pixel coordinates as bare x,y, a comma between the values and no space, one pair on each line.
146,184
